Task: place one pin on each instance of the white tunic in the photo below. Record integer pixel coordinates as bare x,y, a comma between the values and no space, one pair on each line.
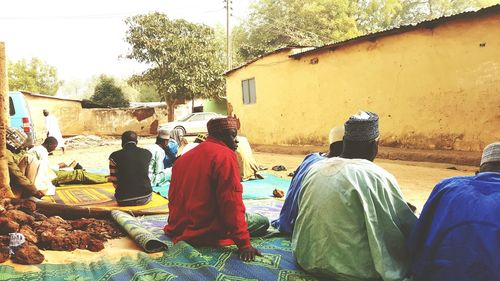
45,175
53,130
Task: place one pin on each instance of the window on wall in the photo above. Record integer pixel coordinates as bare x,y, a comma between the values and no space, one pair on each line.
248,89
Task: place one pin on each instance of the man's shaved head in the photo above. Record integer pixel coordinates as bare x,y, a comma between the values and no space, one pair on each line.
129,136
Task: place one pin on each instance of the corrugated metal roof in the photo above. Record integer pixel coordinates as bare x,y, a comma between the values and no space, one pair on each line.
287,48
49,97
424,24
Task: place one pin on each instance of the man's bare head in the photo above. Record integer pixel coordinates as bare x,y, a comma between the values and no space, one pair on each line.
129,136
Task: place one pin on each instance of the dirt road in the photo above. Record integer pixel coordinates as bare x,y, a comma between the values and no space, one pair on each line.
415,178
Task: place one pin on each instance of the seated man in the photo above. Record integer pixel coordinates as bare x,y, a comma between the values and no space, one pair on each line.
171,149
22,169
158,174
128,169
199,139
289,212
457,236
353,222
246,162
45,175
205,195
60,173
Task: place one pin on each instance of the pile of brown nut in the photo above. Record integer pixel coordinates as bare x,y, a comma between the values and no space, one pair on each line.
53,233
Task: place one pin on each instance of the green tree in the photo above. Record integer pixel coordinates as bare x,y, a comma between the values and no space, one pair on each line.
147,93
377,15
274,24
106,93
439,8
184,58
33,76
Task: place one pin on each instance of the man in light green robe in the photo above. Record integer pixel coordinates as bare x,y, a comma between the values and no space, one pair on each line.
353,221
159,175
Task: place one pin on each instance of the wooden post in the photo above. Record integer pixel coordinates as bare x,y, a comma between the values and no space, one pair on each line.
4,170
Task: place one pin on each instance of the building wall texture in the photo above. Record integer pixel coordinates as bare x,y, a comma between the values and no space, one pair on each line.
433,88
75,120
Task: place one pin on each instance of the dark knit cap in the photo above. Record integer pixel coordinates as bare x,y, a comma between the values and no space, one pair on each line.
362,126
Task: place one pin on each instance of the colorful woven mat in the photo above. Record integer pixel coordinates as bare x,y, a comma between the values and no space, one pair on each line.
139,233
180,262
252,189
270,208
100,195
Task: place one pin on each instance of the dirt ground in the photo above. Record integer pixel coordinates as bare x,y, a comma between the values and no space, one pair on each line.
416,179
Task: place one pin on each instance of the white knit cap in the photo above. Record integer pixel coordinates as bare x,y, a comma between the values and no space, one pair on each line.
491,153
164,134
336,134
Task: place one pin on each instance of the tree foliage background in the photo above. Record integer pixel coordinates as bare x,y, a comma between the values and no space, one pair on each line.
107,94
185,60
273,24
33,76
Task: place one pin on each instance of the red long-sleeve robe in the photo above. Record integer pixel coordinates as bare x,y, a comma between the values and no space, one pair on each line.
205,198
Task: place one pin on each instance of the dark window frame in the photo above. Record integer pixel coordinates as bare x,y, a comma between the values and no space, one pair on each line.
248,90
12,108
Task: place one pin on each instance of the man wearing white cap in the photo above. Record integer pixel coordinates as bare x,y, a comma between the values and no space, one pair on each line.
158,173
353,222
289,212
457,236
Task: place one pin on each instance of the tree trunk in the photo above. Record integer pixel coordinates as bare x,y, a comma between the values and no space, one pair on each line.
171,107
76,212
5,190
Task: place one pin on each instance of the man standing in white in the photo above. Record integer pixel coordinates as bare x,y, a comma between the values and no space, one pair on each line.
53,130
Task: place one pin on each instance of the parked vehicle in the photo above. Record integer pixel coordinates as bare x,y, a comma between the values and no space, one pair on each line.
20,116
193,123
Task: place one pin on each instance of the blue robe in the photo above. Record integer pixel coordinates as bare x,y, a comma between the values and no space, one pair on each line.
290,209
457,237
170,153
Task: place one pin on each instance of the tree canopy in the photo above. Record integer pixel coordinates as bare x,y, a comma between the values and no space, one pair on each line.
34,76
185,60
107,94
274,24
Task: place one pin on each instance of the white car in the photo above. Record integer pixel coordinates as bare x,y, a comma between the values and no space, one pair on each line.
193,123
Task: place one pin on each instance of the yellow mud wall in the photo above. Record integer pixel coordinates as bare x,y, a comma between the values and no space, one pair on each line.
433,88
67,113
104,121
75,120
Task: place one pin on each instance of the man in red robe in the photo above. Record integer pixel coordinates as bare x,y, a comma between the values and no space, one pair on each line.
205,196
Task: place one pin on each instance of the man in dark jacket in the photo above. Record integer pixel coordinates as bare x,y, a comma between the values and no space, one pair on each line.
128,169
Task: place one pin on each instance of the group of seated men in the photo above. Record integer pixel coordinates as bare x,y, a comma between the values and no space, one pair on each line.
30,172
349,221
205,195
346,215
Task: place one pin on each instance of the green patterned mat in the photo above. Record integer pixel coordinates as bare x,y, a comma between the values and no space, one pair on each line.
179,262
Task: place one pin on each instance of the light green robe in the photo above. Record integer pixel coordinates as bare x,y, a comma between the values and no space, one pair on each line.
158,174
353,222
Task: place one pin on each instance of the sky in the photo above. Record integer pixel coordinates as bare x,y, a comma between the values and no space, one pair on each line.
82,38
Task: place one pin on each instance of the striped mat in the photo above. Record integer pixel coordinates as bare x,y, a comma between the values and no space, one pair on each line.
101,196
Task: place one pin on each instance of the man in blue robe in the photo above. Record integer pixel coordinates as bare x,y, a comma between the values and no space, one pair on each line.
457,237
